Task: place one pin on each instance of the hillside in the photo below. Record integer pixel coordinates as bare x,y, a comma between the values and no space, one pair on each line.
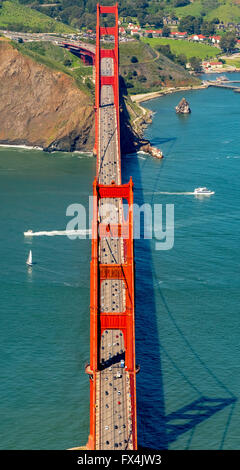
150,70
50,106
57,58
225,10
49,94
45,105
17,17
82,13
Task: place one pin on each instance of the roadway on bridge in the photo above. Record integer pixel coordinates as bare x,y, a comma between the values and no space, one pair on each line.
113,400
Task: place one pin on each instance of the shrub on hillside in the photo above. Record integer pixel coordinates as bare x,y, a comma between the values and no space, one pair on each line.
134,59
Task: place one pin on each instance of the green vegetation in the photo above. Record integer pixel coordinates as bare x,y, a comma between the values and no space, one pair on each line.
134,59
234,61
225,10
152,71
136,49
82,13
228,42
196,25
56,58
166,31
195,64
16,17
189,49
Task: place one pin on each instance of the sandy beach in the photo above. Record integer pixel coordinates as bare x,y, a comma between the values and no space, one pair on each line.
164,91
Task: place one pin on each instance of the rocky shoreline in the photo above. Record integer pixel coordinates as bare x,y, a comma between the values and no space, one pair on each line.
140,98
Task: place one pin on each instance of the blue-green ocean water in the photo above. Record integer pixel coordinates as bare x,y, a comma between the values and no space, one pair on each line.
187,299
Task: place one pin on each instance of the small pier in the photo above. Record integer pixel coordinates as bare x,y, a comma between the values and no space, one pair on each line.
229,84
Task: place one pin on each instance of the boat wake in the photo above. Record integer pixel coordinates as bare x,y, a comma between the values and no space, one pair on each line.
53,233
171,193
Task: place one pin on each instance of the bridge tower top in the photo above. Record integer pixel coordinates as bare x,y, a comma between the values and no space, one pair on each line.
112,53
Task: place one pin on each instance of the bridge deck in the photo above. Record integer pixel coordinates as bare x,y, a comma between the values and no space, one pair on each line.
114,414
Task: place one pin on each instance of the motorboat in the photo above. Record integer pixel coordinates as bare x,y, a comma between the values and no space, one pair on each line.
28,233
203,192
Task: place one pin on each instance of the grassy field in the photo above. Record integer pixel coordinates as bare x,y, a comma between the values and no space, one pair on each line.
234,62
225,10
136,48
180,46
16,17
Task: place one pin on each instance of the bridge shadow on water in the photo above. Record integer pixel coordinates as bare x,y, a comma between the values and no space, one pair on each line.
156,429
152,432
189,416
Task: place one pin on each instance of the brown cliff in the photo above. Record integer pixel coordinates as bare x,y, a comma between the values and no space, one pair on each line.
40,106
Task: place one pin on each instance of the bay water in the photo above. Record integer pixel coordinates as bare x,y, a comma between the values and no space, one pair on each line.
187,298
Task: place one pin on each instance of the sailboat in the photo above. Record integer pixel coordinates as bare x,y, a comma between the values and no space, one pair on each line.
29,260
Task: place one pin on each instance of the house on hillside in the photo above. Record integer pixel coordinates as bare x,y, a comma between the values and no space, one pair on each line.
221,27
198,37
132,26
211,64
182,34
178,35
167,20
122,30
215,39
136,31
231,26
156,33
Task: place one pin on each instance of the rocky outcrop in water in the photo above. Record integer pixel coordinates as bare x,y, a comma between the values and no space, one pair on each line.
154,151
183,107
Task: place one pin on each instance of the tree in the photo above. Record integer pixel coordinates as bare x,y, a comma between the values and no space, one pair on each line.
166,31
134,59
142,78
181,59
207,28
67,62
156,20
215,21
181,3
195,63
228,42
191,24
141,18
166,50
197,23
186,24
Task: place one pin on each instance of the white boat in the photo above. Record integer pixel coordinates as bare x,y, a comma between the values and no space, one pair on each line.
29,260
203,192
